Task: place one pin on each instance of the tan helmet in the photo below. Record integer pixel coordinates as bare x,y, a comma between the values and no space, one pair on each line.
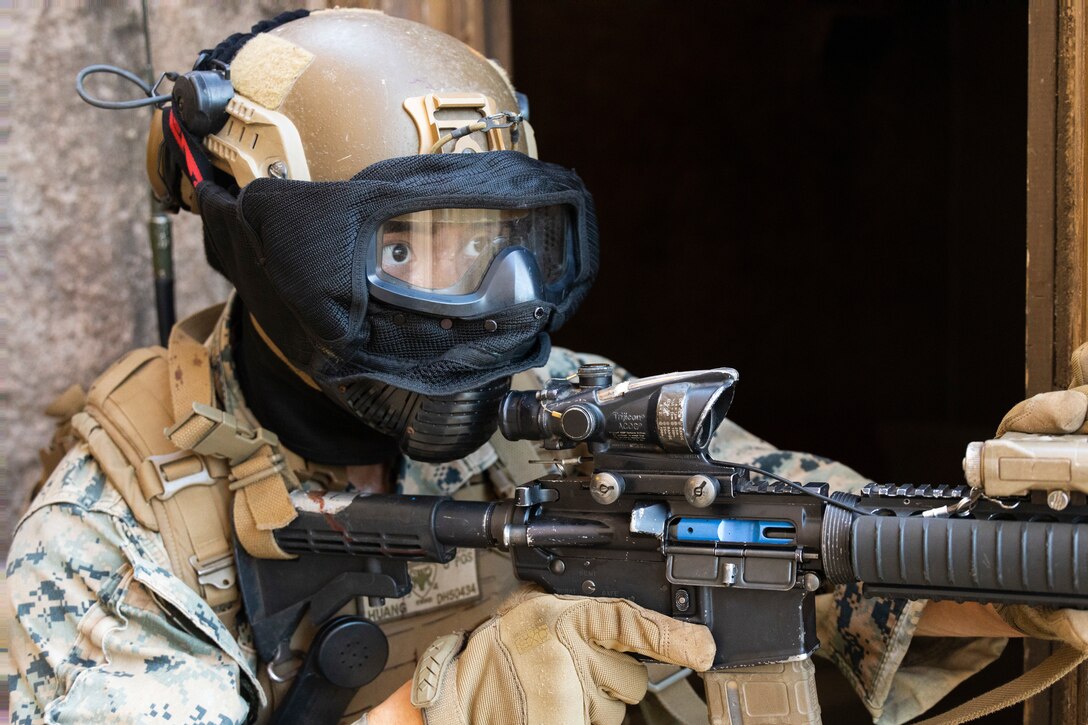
322,97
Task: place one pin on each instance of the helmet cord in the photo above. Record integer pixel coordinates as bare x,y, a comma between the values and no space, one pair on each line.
149,90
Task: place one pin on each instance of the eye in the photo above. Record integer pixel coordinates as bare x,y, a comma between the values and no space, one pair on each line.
396,254
474,247
477,246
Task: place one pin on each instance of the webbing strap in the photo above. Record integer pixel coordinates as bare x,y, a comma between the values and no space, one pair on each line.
198,537
190,363
1031,683
261,503
258,476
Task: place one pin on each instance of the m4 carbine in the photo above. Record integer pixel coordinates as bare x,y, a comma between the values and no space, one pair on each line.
659,522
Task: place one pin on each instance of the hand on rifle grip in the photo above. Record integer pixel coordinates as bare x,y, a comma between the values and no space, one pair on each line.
545,658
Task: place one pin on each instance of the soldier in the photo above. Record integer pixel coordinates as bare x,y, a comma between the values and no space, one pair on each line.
399,255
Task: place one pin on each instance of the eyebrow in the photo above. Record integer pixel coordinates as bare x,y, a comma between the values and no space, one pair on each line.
395,226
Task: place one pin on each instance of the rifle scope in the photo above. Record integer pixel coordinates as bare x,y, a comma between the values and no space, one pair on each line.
676,413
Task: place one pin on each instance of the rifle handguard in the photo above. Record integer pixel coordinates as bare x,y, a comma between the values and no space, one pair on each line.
976,559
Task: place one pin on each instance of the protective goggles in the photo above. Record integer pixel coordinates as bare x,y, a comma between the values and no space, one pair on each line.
500,241
470,262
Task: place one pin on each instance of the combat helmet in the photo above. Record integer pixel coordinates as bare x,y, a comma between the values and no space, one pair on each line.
371,188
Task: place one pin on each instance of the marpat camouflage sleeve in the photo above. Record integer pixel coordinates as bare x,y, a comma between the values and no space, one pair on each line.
102,631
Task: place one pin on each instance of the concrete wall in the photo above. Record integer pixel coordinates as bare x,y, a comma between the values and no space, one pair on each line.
77,287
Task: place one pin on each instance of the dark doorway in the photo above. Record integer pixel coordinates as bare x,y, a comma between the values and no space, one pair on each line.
827,196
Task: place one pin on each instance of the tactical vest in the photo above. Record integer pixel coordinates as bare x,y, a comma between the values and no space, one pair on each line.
184,467
188,470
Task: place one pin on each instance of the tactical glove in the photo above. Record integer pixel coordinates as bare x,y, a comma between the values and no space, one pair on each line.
1057,413
552,659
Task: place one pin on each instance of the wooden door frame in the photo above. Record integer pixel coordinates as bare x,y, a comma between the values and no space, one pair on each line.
1057,191
1056,301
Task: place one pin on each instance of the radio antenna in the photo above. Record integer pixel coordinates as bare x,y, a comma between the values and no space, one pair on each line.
159,227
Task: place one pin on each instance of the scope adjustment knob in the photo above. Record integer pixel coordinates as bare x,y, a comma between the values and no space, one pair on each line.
579,422
595,375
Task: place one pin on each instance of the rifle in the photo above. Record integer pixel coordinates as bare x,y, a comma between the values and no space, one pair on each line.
659,522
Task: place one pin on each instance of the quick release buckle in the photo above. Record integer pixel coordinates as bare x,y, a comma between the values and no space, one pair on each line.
225,436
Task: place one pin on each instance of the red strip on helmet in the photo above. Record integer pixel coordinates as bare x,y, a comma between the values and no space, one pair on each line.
193,170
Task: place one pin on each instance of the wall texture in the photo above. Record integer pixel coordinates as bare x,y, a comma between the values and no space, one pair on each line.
78,289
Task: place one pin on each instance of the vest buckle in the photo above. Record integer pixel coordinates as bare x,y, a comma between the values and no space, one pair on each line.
171,484
218,572
220,434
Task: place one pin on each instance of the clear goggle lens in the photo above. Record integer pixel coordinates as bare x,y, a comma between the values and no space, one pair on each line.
449,251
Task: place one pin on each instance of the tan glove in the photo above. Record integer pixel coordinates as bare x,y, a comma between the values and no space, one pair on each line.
552,659
1057,413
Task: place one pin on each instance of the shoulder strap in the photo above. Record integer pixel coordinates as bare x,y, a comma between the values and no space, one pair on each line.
181,494
259,473
1064,660
178,461
149,421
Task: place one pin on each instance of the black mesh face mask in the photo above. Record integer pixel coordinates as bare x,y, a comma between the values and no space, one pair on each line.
413,291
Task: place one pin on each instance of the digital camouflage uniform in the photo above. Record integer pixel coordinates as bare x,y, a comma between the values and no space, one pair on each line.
105,632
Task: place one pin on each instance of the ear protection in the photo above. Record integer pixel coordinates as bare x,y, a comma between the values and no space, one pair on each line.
197,105
200,98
